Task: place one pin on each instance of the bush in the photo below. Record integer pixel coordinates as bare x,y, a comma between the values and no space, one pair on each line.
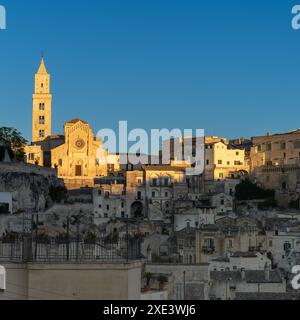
247,190
58,194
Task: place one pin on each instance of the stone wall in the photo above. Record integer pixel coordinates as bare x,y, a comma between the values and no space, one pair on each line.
102,281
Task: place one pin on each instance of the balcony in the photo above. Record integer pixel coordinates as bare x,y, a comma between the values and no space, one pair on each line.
208,250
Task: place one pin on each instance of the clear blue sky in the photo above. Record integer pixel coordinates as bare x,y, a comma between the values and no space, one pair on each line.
231,67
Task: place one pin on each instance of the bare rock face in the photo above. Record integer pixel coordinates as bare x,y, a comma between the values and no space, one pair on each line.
30,190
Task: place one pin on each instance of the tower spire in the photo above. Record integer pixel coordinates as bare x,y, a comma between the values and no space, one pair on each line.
42,68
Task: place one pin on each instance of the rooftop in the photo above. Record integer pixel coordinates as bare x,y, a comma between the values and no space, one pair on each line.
251,276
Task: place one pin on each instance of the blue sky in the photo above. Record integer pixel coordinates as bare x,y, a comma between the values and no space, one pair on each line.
231,67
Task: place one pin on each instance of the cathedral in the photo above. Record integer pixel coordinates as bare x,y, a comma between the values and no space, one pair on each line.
73,154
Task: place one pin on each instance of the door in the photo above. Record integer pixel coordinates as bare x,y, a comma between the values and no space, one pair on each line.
78,171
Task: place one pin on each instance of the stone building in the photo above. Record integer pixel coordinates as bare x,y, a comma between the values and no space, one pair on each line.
78,155
152,189
229,285
109,199
227,236
275,159
223,161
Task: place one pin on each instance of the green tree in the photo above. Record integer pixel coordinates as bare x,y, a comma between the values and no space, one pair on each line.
58,193
247,190
17,142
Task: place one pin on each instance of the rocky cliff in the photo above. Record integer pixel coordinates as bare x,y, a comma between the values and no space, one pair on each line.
30,190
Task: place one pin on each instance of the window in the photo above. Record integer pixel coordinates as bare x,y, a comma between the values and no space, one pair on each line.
100,206
221,175
207,162
166,181
122,204
166,194
42,106
222,202
237,163
297,144
154,182
270,243
42,133
228,163
237,153
259,147
60,162
105,215
31,156
220,161
99,192
123,214
230,243
287,246
107,207
269,147
140,181
139,195
153,194
283,146
41,120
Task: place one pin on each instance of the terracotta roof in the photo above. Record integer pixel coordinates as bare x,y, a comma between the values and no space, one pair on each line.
77,120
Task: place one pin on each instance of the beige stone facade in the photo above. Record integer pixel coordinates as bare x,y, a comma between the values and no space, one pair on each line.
76,159
42,105
223,162
77,155
275,160
228,236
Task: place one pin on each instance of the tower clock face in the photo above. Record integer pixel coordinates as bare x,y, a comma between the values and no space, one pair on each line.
79,144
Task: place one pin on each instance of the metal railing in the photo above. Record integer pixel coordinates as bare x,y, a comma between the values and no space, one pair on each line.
73,250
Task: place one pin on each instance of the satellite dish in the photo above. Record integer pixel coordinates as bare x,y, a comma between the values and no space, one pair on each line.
2,278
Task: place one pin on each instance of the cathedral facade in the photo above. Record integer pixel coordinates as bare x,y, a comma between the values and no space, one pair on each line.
73,154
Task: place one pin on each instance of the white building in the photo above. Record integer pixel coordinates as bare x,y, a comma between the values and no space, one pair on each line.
6,202
109,201
194,217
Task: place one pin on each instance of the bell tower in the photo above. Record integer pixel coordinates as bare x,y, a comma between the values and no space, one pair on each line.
42,105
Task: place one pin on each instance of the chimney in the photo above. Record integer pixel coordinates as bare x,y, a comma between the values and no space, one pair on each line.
243,273
267,272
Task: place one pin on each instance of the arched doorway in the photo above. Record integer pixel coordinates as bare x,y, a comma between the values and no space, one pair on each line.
136,209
